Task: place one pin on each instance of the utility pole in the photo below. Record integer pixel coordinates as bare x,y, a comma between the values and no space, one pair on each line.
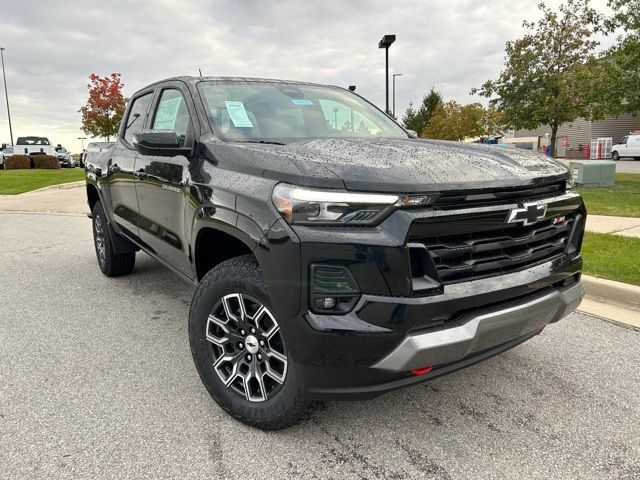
385,43
394,92
4,77
82,139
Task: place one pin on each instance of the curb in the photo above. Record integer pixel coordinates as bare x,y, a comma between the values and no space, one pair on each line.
613,301
608,291
60,186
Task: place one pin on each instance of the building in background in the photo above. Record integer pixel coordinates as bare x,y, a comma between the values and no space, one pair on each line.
575,137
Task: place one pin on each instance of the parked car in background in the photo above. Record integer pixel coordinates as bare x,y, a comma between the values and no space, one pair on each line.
64,157
5,152
628,146
93,149
34,146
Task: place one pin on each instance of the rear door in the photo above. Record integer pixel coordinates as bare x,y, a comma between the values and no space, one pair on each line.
121,167
163,186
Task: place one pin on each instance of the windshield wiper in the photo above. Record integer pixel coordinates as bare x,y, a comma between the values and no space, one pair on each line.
261,141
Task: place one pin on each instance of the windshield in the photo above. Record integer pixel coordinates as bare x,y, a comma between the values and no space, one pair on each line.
32,141
282,113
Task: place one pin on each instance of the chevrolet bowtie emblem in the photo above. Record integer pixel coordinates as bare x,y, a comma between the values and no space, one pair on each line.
528,214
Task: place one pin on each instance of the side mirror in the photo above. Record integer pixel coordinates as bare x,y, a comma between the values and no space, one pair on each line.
163,143
412,133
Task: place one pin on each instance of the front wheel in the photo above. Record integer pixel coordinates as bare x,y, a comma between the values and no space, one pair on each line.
615,156
239,348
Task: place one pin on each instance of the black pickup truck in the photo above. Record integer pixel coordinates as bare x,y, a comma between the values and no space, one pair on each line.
334,255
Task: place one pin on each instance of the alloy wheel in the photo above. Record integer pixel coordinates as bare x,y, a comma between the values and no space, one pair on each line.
247,346
99,239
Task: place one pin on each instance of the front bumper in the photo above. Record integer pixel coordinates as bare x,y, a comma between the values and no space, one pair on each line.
478,332
474,339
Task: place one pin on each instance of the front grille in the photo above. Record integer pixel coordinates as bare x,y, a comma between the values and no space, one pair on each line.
463,256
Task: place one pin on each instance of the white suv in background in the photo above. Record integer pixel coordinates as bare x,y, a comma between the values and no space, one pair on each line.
628,146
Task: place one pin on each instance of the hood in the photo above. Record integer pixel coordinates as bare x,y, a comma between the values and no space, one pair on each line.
390,165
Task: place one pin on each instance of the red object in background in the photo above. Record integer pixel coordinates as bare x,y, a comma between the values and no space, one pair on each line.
599,151
421,371
587,152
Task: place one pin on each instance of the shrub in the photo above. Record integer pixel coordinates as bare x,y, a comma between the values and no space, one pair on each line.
15,162
45,161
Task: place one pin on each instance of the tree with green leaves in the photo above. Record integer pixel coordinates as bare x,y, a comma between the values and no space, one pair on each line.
614,77
542,82
453,121
417,119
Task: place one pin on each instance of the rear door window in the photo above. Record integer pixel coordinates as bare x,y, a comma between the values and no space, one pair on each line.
137,116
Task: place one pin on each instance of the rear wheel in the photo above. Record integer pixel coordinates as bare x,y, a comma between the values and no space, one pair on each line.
111,263
239,349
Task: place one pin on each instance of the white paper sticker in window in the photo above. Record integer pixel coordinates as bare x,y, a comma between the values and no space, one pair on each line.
238,114
167,113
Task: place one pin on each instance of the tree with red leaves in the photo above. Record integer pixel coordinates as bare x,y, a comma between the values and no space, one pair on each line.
104,109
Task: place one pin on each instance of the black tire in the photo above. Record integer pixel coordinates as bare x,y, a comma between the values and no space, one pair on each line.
111,263
615,156
242,277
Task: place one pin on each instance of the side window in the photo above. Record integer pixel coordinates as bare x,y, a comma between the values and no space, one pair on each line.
172,114
624,140
137,115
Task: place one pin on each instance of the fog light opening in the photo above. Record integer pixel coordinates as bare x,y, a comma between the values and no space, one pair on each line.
329,303
421,370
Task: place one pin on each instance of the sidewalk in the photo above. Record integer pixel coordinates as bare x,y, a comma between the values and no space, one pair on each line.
627,226
68,198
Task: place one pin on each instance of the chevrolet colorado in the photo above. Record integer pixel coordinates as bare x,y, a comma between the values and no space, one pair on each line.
334,256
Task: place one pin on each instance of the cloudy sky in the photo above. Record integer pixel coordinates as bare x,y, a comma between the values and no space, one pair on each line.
53,46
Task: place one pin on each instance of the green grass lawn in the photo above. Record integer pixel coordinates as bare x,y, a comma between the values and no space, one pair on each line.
612,256
19,181
623,200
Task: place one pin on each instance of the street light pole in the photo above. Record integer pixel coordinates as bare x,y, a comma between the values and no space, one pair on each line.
82,139
385,43
6,95
394,91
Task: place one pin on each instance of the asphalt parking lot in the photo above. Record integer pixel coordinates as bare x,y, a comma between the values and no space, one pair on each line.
97,381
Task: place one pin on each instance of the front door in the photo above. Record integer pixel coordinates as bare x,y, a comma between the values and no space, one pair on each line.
121,168
163,187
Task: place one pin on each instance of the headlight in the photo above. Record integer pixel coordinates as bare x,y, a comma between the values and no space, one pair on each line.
337,207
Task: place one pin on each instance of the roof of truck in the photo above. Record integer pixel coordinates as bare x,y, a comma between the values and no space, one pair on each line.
193,80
